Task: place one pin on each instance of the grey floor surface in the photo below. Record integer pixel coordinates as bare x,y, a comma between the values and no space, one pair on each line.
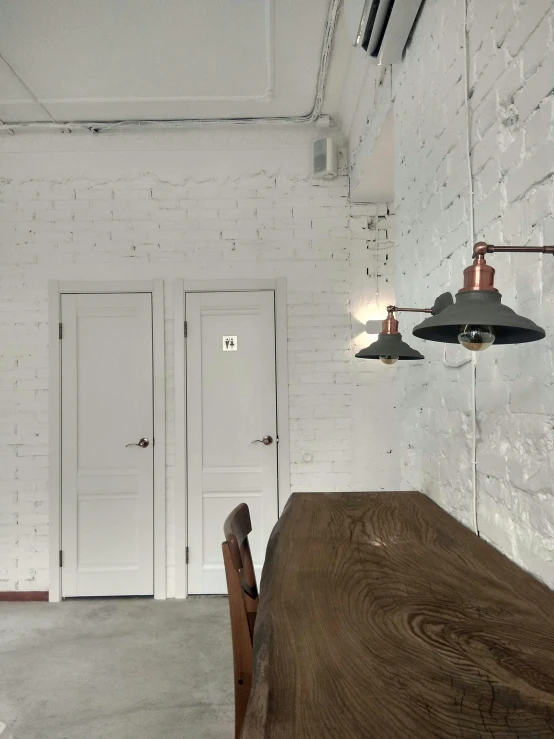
117,669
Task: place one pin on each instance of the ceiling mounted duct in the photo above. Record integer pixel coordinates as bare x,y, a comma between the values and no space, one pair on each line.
381,27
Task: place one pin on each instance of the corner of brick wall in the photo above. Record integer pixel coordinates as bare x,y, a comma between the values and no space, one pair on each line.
511,55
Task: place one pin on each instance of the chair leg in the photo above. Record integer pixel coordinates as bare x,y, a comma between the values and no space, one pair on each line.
242,695
242,641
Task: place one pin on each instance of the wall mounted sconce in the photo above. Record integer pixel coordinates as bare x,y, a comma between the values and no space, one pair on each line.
389,347
478,319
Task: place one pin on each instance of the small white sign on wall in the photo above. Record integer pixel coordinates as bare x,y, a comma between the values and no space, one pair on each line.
230,344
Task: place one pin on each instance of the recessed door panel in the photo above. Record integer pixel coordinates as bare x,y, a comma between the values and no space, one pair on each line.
107,478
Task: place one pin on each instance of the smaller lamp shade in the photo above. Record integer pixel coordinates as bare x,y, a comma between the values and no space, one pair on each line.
389,345
479,308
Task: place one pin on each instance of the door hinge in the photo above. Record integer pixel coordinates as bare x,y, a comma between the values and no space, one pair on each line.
186,330
60,328
61,558
186,555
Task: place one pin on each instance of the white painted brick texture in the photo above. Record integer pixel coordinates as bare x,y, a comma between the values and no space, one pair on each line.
511,54
138,213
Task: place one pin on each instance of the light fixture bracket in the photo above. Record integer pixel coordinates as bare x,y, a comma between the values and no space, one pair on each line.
481,248
390,324
480,275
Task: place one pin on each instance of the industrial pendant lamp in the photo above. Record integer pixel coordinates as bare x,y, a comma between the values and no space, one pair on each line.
389,347
478,319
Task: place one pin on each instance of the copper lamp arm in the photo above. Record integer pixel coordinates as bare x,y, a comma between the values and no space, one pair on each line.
395,308
481,248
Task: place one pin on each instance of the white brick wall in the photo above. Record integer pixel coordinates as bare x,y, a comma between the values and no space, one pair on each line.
191,205
512,79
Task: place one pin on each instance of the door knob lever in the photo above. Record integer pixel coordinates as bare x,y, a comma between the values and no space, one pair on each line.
142,443
267,440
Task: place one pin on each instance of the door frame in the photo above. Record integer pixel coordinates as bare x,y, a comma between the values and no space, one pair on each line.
180,288
55,291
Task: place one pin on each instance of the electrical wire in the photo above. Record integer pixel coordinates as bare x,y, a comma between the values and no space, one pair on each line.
454,365
473,357
474,441
468,129
472,241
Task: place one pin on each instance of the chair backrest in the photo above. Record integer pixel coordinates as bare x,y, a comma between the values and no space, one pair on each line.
243,603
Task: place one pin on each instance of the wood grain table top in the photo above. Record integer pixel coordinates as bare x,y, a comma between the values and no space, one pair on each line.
382,617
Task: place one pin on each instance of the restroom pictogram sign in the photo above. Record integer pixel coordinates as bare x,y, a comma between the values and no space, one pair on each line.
230,344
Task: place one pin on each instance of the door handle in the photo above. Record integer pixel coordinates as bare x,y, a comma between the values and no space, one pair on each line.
267,440
142,443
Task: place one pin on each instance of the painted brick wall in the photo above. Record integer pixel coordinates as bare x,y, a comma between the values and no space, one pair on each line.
193,205
511,55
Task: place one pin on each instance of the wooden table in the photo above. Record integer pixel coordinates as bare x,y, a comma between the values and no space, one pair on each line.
383,617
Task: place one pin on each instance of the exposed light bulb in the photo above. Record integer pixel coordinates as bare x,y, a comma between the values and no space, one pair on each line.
387,359
476,338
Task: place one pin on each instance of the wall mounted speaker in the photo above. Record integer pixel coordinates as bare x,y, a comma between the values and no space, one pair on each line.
325,158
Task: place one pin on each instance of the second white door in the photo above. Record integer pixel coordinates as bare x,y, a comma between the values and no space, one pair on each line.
231,410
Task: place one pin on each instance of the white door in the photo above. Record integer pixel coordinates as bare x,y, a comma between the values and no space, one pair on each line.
231,403
107,404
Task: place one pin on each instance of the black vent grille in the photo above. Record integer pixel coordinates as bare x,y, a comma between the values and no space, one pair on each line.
370,30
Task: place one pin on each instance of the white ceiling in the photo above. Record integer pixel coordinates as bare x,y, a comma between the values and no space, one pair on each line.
112,60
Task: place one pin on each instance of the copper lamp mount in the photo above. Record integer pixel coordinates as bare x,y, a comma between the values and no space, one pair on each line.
390,324
480,275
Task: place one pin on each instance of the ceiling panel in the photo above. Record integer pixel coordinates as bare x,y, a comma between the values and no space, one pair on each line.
17,104
23,112
12,89
163,59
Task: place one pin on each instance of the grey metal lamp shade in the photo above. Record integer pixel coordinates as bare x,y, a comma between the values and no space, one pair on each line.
479,308
389,345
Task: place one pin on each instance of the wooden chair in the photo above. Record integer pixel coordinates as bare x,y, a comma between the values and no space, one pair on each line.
243,603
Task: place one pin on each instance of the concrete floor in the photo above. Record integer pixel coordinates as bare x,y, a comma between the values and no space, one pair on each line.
117,669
